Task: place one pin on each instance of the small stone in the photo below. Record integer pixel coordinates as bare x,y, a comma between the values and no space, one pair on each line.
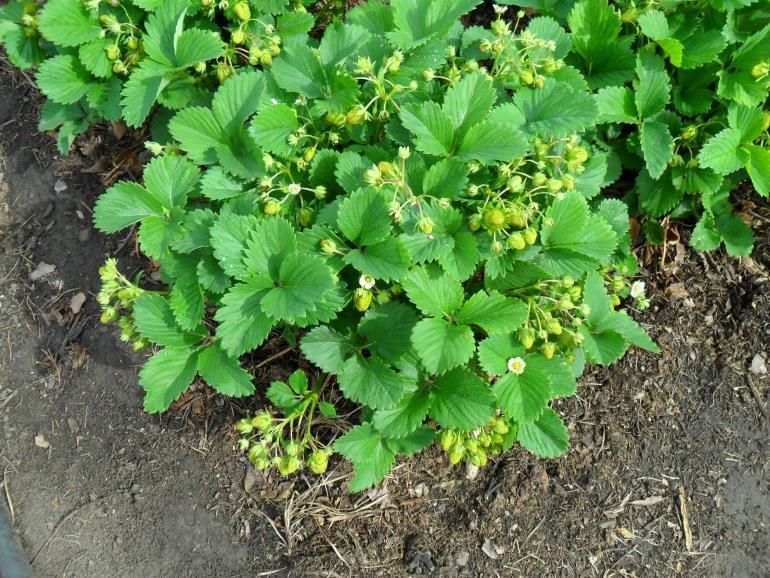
84,235
758,365
76,302
251,479
41,442
490,549
60,186
41,271
463,558
73,424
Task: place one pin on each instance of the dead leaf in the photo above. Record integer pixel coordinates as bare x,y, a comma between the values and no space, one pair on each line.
626,533
41,442
41,271
677,291
650,501
489,549
77,301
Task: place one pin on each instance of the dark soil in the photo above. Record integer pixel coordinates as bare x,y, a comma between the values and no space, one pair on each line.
99,488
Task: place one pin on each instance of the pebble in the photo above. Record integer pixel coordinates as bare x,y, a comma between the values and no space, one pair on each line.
84,235
758,365
463,558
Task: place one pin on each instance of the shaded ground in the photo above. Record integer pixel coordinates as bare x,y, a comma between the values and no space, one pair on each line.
99,488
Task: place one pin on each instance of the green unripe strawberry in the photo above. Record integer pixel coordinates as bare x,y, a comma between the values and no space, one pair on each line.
224,71
569,182
553,327
566,304
615,300
243,426
262,421
585,309
446,439
272,207
516,241
305,216
457,453
113,52
515,184
242,11
485,439
496,247
472,446
539,179
293,449
139,344
132,43
109,314
362,299
526,77
238,37
318,462
426,225
515,217
618,284
500,427
567,282
575,292
261,464
356,115
257,452
118,67
555,185
308,154
497,439
548,349
530,236
494,219
336,118
690,132
527,337
474,223
760,70
288,465
328,247
765,120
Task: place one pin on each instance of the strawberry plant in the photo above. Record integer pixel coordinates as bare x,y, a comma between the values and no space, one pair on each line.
682,91
415,204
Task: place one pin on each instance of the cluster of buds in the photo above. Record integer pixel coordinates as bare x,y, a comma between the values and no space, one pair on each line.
116,297
358,114
125,51
30,20
265,446
490,440
556,314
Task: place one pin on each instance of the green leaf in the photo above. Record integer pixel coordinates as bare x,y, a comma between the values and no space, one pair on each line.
302,281
170,179
63,79
370,381
489,142
493,312
223,373
460,261
230,236
68,23
653,88
219,186
468,102
327,409
163,28
166,375
403,418
445,179
155,321
702,47
416,23
363,217
326,348
461,400
495,351
237,99
195,45
372,458
197,132
340,41
123,205
657,146
758,168
387,260
616,104
736,234
435,295
657,197
414,442
271,242
187,300
281,395
299,70
524,397
442,345
93,56
705,236
387,329
556,110
722,153
242,324
271,127
140,92
432,128
595,26
547,437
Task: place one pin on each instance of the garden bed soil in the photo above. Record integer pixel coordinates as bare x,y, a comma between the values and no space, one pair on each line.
668,473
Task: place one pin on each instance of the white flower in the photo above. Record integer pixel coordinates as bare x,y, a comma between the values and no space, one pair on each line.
294,189
637,289
500,9
366,281
516,365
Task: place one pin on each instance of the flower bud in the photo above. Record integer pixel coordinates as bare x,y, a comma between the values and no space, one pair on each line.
553,327
426,225
539,179
496,247
760,70
113,52
527,77
318,462
328,247
238,36
305,216
474,223
500,427
109,314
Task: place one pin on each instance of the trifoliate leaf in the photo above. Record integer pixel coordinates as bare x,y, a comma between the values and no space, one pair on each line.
435,295
432,128
657,146
237,99
163,28
547,437
445,179
240,156
468,102
170,179
722,153
302,281
616,104
271,242
299,70
155,321
493,312
417,23
230,236
387,260
372,459
283,396
363,217
387,329
63,79
242,324
489,142
68,23
405,417
341,41
442,345
556,110
271,127
223,373
461,400
326,348
368,380
123,205
140,92
166,375
93,56
219,186
524,397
